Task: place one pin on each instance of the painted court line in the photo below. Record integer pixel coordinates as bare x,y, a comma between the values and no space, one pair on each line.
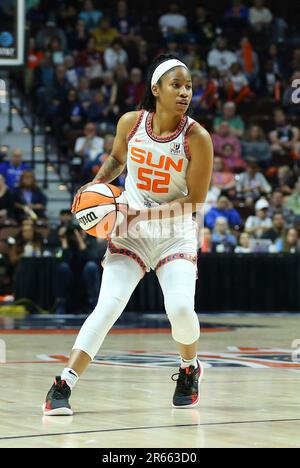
143,428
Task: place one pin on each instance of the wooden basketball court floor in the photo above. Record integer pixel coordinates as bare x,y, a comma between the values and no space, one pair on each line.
250,394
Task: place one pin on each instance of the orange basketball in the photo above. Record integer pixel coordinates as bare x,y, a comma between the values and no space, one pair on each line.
98,210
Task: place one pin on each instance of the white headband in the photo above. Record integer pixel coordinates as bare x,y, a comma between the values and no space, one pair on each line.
164,68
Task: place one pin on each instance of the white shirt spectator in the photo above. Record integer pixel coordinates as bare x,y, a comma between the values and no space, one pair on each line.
212,198
239,81
258,224
173,21
92,147
222,60
260,16
242,250
112,58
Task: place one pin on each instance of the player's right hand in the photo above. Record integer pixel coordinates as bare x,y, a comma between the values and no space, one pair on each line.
77,197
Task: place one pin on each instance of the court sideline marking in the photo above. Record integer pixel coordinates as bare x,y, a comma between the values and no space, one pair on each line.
148,427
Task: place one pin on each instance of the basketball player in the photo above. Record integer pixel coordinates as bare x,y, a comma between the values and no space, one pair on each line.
169,160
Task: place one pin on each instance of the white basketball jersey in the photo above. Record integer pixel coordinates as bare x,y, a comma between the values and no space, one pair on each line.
156,165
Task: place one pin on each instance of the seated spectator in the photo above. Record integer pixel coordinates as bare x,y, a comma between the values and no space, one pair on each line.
235,122
225,210
192,57
84,92
173,24
237,15
202,26
43,77
248,60
6,202
173,48
104,34
56,51
291,242
133,90
142,55
244,244
285,181
104,155
89,15
229,159
257,225
77,267
71,113
256,146
13,169
29,199
212,198
205,239
222,177
34,59
295,62
285,137
277,231
260,17
46,34
277,205
199,102
222,238
94,68
89,146
89,57
28,243
73,73
222,138
78,38
205,92
270,86
116,57
293,202
53,97
125,23
238,85
252,184
65,219
97,111
275,57
110,92
220,57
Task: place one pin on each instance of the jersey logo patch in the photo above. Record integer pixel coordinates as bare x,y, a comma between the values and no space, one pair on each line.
175,148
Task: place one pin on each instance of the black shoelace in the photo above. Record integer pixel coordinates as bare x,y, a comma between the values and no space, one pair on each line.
60,393
184,381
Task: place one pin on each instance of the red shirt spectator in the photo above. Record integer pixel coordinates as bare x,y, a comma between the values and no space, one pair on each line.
134,90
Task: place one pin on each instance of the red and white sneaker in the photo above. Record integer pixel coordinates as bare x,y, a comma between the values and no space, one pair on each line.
187,392
57,399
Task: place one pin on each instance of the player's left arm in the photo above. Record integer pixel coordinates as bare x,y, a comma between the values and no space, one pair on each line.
200,168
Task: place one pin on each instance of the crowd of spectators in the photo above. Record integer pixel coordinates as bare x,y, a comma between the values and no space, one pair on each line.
86,65
25,232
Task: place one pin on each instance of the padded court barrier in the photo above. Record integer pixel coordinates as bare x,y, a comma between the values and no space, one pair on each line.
254,282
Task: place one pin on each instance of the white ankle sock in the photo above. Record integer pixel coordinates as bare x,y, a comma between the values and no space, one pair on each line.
70,377
185,363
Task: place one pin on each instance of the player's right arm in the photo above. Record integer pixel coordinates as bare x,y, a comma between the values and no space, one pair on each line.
116,162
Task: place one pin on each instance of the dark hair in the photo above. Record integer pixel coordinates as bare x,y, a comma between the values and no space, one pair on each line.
149,100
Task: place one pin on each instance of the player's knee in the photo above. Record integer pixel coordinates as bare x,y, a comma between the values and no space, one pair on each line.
183,318
179,307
